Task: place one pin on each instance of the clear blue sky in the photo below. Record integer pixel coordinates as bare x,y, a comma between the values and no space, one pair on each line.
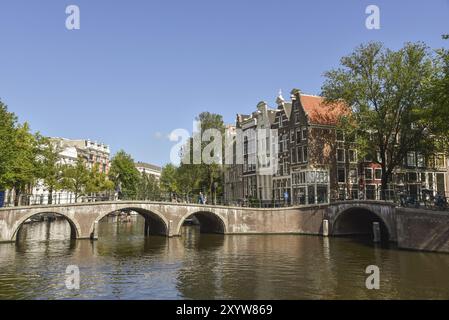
136,70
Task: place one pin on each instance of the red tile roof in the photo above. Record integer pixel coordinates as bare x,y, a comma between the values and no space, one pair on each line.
320,113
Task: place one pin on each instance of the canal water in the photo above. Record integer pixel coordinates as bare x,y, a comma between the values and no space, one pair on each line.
123,264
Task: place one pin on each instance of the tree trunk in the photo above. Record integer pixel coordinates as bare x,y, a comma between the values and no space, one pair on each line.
16,196
384,185
50,195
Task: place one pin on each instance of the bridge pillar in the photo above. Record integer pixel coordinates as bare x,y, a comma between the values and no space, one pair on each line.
376,231
325,228
94,235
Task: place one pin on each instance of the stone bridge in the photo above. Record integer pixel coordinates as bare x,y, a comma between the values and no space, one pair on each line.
357,217
167,218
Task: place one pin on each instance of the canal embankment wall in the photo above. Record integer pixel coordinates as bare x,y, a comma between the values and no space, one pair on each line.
423,230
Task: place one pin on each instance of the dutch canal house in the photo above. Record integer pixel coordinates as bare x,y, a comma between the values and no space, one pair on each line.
316,162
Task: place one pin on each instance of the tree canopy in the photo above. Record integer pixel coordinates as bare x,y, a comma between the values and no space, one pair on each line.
124,174
386,90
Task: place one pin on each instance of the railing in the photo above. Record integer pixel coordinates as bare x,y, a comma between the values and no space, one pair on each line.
401,199
55,199
426,199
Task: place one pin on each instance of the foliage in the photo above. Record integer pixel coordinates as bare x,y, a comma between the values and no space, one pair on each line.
169,179
385,89
438,95
76,178
8,123
48,166
98,181
193,178
124,175
148,188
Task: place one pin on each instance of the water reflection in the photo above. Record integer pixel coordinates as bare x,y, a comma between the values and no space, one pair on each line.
123,264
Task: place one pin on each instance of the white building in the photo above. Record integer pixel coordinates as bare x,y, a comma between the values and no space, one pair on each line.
149,169
71,150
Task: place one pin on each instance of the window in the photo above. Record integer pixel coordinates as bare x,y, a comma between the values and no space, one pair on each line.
368,173
341,172
277,120
421,161
440,182
439,161
353,176
400,178
298,136
293,155
378,174
304,133
281,143
412,177
296,117
304,154
411,160
340,155
299,152
371,192
352,156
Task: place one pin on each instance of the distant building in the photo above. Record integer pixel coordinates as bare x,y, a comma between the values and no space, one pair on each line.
233,182
149,169
93,152
317,162
70,150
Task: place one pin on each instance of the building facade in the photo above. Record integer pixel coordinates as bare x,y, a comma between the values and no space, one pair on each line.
93,153
318,163
149,169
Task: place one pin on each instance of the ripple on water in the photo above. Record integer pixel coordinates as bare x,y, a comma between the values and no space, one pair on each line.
123,264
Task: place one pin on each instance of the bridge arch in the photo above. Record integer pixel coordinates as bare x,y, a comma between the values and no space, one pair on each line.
210,222
358,220
75,229
155,222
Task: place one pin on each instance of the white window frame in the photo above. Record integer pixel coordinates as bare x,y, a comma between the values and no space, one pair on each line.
344,156
355,156
377,169
372,173
338,177
303,136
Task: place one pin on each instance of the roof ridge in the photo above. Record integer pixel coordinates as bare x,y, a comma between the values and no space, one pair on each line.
311,95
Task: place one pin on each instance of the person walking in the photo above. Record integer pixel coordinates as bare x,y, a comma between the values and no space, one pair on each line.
286,197
201,198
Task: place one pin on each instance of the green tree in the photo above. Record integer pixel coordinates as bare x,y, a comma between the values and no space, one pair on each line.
438,95
124,175
206,177
22,166
148,188
76,178
385,89
48,165
189,180
169,179
8,122
98,181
